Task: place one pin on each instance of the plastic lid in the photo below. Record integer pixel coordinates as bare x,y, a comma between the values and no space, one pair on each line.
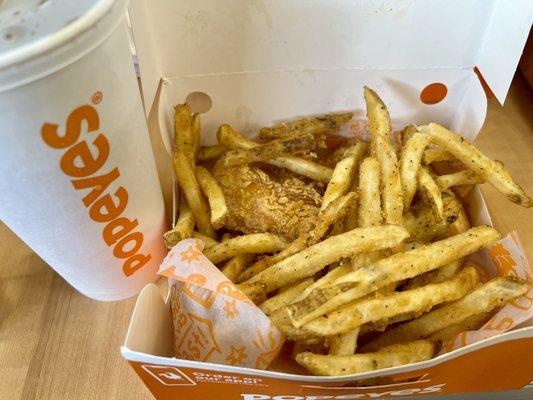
66,30
32,27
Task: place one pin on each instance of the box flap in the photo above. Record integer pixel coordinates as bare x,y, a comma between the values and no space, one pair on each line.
202,37
151,329
503,44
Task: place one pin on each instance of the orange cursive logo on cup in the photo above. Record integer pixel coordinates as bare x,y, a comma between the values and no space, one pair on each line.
83,161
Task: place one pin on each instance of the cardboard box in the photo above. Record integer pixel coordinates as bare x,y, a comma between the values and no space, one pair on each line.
262,62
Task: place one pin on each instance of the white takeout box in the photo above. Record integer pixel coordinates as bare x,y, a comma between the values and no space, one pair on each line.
262,62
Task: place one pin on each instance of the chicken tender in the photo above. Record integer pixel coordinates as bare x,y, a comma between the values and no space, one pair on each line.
258,202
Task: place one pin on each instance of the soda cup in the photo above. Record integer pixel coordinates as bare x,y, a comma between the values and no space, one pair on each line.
78,181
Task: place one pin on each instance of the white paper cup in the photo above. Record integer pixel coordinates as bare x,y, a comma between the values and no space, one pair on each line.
78,181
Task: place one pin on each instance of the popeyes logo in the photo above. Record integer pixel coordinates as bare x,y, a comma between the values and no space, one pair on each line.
83,162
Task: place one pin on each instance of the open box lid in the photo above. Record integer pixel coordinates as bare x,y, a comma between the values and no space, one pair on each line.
205,37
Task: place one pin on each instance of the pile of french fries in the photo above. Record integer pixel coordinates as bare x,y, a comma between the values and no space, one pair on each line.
379,281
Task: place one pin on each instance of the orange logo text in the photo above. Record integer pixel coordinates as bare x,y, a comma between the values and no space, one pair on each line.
83,161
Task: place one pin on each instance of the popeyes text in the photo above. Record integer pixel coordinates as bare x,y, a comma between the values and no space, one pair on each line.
83,162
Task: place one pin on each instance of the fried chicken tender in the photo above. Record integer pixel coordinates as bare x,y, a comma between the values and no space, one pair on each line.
259,202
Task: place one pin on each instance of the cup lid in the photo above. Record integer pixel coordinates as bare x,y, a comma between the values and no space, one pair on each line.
29,28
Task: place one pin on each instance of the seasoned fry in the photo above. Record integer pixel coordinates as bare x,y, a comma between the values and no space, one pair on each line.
268,151
253,243
369,195
215,197
391,188
369,206
191,189
431,193
208,242
436,276
330,277
255,292
410,164
464,177
306,125
395,268
341,180
471,323
334,212
196,133
485,298
343,344
352,216
183,227
183,131
379,307
434,154
210,152
311,260
230,139
284,297
486,168
454,207
236,265
423,227
391,356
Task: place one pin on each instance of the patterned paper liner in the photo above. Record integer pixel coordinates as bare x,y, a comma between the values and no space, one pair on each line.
214,322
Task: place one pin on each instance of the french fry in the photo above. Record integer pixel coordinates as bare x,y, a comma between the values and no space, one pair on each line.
334,212
391,188
464,177
391,356
484,298
424,227
268,151
379,307
315,126
215,197
369,206
281,320
410,164
259,266
352,216
253,243
384,272
236,265
255,292
341,180
432,155
196,133
330,277
431,193
230,139
284,297
343,344
311,260
183,131
471,323
369,195
210,152
436,276
490,170
208,242
191,189
183,227
454,207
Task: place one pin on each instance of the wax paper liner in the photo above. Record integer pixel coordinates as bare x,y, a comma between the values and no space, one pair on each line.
506,257
213,321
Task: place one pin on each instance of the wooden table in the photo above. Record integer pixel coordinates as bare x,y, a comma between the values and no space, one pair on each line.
57,344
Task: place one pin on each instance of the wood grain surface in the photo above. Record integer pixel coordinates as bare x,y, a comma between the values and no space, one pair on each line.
57,344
